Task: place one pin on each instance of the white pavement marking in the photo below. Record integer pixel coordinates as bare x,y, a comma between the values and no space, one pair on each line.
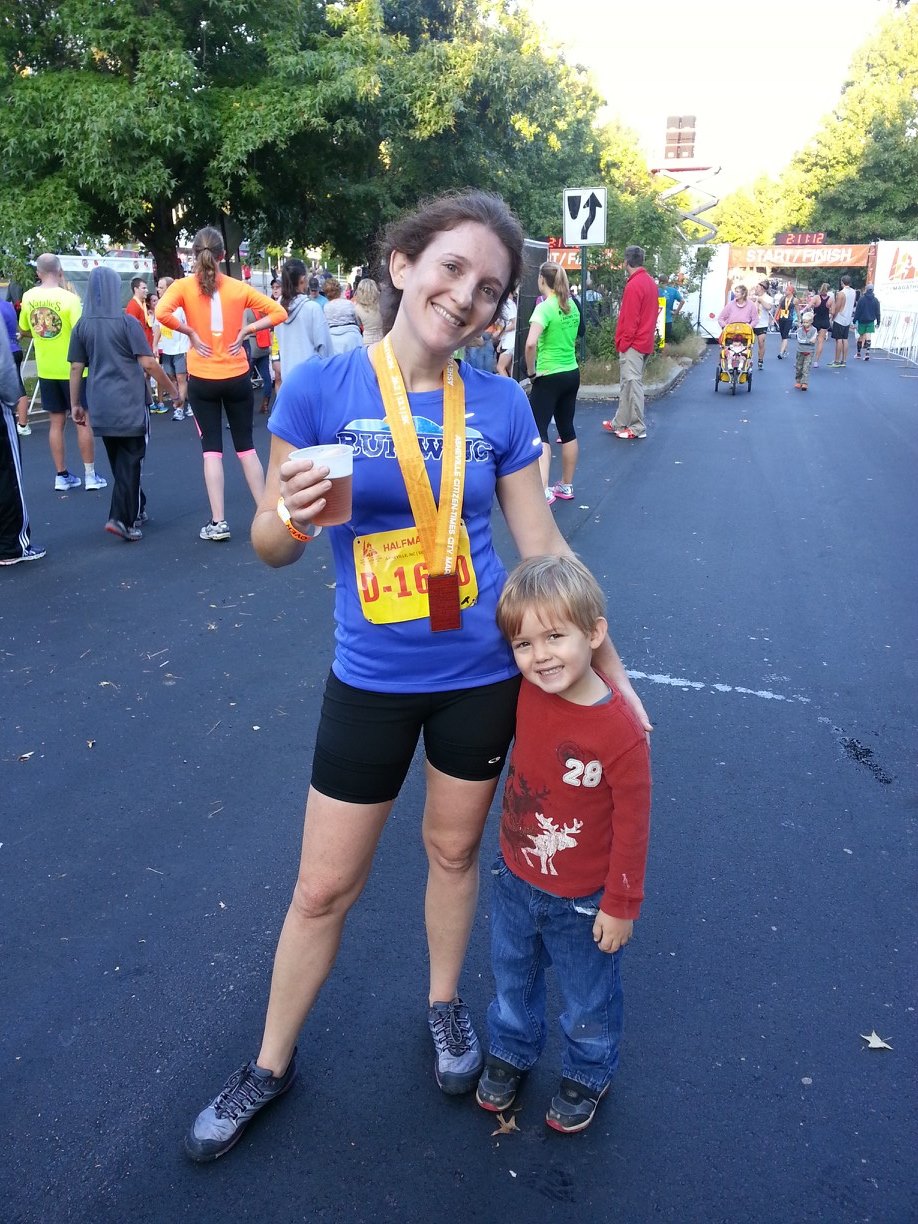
679,682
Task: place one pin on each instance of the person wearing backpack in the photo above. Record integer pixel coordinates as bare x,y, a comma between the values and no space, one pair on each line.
258,347
867,319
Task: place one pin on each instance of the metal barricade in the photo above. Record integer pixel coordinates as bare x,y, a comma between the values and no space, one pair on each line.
897,337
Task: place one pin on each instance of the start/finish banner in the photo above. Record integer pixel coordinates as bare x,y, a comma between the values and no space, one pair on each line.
799,257
896,277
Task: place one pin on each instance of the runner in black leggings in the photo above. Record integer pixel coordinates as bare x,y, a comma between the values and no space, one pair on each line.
214,307
551,361
210,397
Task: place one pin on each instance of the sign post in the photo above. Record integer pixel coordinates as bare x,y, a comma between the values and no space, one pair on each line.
584,281
584,225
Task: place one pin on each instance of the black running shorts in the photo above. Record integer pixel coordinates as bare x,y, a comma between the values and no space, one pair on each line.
366,741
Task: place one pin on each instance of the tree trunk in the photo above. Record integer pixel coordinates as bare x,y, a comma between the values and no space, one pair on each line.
160,236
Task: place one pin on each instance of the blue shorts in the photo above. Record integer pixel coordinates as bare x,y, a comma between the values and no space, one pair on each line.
55,394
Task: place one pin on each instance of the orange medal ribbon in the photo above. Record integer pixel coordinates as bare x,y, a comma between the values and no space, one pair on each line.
438,524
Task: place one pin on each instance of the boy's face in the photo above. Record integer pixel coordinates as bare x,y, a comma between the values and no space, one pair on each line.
557,656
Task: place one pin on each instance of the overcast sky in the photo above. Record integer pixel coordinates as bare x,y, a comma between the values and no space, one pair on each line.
741,69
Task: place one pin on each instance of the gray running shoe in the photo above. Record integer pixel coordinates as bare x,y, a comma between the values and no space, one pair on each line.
222,1123
215,531
459,1058
131,534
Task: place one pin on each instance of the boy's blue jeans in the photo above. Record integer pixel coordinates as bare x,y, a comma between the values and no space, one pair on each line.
530,930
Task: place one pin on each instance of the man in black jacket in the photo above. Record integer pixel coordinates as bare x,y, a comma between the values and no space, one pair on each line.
867,320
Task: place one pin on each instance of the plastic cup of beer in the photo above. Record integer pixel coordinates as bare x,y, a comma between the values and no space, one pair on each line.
340,463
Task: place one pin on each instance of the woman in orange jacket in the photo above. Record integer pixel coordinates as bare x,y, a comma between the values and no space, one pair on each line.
218,365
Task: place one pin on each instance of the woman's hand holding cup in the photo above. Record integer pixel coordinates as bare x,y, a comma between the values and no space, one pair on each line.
315,483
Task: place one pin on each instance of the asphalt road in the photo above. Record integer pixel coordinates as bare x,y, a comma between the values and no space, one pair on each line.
159,704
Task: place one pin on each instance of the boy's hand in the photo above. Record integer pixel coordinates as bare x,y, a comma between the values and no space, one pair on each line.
612,933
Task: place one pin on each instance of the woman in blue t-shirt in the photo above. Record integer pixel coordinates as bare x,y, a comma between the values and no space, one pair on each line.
409,660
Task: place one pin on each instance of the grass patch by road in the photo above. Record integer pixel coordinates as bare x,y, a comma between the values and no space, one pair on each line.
660,366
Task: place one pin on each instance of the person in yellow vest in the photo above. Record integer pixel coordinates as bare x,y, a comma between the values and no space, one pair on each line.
48,315
418,650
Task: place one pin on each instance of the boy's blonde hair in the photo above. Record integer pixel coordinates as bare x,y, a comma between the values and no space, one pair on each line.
552,587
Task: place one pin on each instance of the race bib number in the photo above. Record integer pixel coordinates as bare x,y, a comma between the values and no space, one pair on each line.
392,576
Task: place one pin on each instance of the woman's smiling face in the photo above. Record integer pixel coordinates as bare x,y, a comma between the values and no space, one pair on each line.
450,292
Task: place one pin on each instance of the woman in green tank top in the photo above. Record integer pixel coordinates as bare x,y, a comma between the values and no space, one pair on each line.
551,363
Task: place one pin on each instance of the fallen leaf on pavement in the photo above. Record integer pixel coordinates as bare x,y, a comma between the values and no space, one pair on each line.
506,1126
875,1041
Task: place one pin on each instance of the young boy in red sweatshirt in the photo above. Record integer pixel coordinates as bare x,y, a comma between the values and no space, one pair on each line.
569,879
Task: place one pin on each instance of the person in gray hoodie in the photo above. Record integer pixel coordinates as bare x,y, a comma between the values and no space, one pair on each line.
305,333
15,539
114,347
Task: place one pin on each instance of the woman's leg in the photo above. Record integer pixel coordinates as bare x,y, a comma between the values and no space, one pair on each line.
564,419
820,341
339,840
542,401
239,405
454,820
570,452
214,482
204,398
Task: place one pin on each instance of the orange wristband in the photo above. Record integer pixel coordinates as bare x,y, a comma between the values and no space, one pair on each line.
284,515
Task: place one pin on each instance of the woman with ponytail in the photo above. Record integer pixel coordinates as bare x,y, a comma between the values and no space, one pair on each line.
218,366
551,363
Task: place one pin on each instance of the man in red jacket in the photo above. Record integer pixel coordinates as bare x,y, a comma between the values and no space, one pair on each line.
137,307
634,337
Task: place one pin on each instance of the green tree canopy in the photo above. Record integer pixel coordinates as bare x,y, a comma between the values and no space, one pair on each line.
748,216
856,179
312,121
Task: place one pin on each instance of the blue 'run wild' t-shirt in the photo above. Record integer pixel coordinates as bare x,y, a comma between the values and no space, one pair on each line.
338,400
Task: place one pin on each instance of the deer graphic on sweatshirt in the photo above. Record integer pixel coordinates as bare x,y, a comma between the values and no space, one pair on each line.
545,845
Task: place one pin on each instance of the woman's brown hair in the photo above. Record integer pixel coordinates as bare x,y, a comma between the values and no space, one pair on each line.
207,249
555,278
413,233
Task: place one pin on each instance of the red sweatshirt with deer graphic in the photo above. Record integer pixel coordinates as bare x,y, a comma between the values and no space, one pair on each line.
576,811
